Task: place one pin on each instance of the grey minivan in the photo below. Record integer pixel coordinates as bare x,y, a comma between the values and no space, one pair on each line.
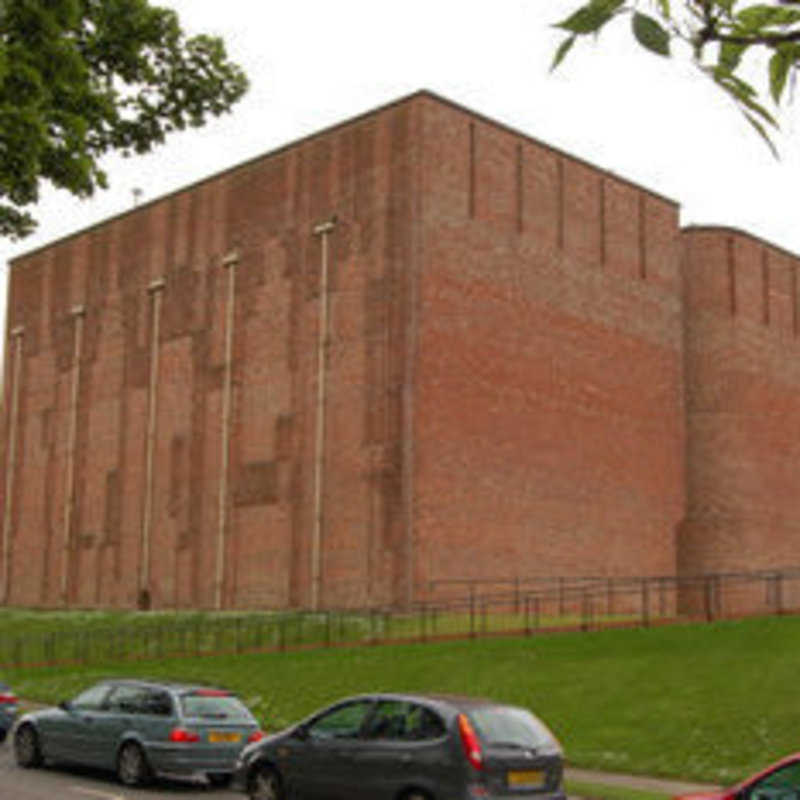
140,729
406,747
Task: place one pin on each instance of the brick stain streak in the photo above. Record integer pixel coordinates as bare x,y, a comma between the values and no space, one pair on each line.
530,371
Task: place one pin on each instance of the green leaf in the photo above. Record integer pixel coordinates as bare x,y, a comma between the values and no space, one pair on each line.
663,7
762,132
730,55
562,51
731,83
758,109
591,17
779,66
743,94
754,18
650,34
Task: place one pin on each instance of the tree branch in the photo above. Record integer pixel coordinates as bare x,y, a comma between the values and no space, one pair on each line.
771,40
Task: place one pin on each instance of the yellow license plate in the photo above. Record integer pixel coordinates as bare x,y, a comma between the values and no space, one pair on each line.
531,777
220,736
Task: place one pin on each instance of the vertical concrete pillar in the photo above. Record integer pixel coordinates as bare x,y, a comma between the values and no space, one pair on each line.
155,290
78,313
230,262
11,462
322,230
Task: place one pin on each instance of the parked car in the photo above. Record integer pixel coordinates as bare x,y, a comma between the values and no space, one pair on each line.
8,710
140,729
414,747
779,781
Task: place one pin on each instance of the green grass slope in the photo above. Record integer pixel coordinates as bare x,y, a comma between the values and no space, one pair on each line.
705,702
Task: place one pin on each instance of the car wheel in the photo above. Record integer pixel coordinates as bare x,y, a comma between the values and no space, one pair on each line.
219,779
27,750
132,766
265,784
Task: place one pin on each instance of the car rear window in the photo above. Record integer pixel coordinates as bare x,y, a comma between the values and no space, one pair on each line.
512,727
208,705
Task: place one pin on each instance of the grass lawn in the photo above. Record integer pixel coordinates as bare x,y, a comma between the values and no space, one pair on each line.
703,702
31,637
598,791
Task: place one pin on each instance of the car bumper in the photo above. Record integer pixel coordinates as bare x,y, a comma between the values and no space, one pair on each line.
191,760
240,771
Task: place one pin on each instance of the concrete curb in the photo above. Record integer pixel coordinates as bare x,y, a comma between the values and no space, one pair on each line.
640,782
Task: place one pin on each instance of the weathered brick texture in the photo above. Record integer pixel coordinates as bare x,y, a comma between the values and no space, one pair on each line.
529,372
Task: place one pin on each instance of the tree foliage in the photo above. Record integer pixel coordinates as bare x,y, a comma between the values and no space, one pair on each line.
80,78
720,34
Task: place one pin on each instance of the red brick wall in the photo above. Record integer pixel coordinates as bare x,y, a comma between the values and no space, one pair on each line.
549,413
505,380
363,172
743,403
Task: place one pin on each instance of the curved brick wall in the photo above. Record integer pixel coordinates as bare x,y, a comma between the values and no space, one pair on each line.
743,403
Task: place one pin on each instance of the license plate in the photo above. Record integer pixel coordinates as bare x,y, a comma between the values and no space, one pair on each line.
526,778
221,736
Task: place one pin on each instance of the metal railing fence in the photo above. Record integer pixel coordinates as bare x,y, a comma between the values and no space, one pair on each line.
516,607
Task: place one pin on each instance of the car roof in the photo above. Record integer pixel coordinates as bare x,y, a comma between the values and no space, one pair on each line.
174,686
443,701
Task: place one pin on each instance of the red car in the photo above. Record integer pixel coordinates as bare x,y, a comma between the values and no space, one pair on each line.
779,781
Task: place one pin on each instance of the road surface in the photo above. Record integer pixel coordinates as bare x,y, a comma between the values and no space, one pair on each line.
66,783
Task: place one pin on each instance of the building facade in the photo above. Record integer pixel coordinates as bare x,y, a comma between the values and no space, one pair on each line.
415,347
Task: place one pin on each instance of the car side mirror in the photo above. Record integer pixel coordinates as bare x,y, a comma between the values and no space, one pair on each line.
65,705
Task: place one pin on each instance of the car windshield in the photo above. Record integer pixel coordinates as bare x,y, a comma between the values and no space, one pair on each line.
511,727
208,705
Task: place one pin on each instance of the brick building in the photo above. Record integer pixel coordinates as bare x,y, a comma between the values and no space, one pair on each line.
414,347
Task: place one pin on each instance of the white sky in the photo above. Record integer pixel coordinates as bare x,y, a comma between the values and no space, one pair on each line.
312,64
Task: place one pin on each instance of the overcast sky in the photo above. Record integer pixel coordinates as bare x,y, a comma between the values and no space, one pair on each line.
314,63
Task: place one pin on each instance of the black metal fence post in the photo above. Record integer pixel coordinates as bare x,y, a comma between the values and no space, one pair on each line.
472,613
327,629
586,612
527,615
